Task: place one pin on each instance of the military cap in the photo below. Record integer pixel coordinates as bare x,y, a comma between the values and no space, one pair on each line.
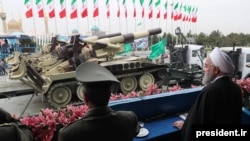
90,72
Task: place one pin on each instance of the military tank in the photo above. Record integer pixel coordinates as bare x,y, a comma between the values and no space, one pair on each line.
57,81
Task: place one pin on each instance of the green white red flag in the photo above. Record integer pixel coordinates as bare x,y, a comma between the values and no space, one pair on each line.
142,6
62,12
118,12
194,13
180,12
150,5
157,6
51,8
39,7
84,12
73,13
28,6
166,10
134,13
125,8
96,9
108,10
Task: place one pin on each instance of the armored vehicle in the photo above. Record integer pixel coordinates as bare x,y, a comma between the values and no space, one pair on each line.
53,73
185,62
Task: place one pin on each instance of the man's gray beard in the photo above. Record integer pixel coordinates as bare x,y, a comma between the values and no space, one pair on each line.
208,77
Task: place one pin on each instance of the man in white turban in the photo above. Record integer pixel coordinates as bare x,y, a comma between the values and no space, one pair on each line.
221,61
219,102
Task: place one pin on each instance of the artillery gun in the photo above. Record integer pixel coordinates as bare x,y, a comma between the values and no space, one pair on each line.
57,82
46,58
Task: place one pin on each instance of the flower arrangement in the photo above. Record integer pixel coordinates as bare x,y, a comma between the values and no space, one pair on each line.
244,84
245,87
48,120
46,124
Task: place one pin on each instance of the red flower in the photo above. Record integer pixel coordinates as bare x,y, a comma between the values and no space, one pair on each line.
48,120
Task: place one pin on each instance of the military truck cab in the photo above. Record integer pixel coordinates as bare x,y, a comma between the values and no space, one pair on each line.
186,63
241,58
194,54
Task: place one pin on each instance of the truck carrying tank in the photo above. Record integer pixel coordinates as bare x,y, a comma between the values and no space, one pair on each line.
56,81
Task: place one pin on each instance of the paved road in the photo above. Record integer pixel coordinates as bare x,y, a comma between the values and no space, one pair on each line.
29,104
24,105
12,87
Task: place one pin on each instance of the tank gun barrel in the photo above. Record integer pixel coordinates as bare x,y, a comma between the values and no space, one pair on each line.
125,38
92,39
108,47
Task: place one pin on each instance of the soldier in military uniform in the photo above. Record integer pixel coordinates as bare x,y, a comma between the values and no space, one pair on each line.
100,122
87,52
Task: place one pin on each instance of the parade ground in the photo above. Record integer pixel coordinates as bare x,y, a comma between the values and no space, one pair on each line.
24,105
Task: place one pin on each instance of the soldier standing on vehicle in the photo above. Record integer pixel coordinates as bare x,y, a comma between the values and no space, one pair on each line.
87,52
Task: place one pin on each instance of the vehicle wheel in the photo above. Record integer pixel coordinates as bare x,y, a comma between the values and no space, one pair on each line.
114,88
59,96
79,92
145,80
128,84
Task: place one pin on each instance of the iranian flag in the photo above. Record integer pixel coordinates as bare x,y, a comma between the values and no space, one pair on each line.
39,7
174,14
150,14
180,13
157,5
125,8
118,12
84,12
134,13
194,17
62,12
142,12
73,9
28,6
51,8
166,10
107,6
96,9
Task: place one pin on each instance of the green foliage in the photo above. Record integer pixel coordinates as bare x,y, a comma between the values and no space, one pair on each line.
215,38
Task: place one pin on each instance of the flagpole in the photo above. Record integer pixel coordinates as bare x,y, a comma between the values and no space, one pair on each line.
144,23
159,22
126,25
119,24
109,25
171,28
166,25
108,15
77,17
55,16
135,24
88,24
126,16
134,14
66,18
119,16
87,17
99,20
34,23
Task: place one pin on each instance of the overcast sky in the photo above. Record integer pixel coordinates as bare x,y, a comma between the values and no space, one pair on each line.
227,16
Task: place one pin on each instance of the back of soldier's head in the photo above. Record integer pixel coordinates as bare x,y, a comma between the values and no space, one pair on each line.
98,93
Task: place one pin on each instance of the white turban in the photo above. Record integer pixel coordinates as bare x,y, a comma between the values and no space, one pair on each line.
221,60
